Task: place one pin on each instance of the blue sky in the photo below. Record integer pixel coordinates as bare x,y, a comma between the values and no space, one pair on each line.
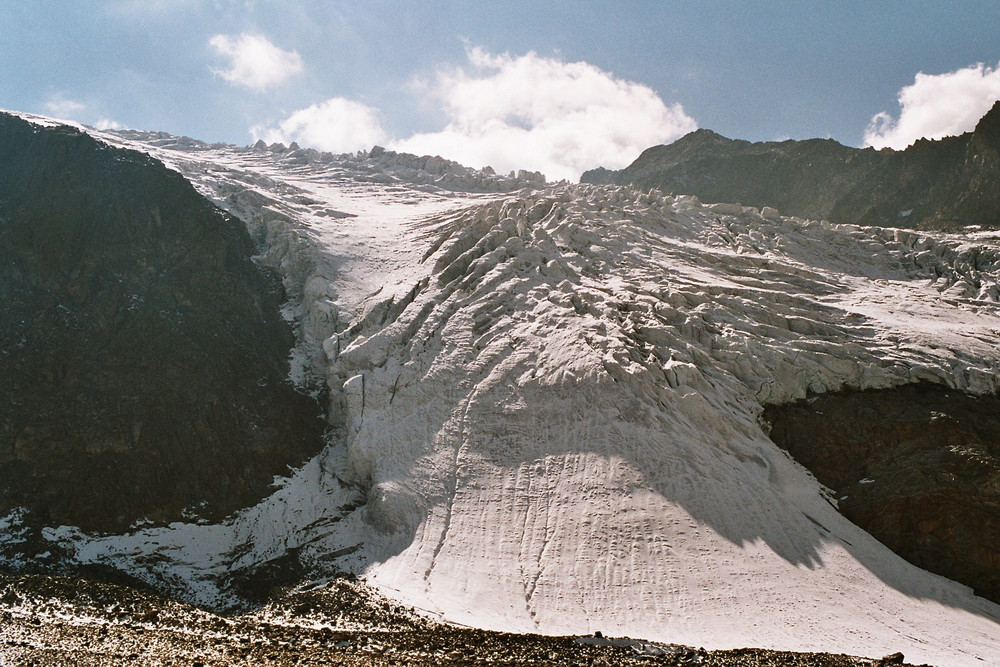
558,86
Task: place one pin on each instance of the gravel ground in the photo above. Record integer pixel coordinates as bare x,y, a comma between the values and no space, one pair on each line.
64,621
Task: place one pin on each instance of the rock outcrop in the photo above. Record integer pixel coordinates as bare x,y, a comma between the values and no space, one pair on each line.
945,184
918,467
144,360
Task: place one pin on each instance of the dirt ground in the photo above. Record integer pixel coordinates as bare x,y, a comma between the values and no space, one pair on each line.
65,621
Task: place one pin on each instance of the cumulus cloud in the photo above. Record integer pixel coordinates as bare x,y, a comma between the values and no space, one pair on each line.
936,106
60,106
524,112
337,125
254,62
532,112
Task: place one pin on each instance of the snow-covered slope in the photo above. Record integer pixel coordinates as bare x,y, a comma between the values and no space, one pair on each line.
547,405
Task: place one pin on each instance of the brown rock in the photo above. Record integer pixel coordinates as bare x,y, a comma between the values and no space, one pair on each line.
918,467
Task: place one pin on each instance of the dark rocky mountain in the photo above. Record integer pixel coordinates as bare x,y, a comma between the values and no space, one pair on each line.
945,184
143,361
918,467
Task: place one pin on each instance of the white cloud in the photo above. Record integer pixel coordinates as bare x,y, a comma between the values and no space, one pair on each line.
66,108
511,113
254,62
108,124
531,112
62,107
338,125
936,106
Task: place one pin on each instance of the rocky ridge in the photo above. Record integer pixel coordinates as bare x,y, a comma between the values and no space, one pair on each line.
945,184
377,165
144,373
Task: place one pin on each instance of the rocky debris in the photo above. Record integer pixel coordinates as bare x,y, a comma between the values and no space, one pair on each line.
439,172
944,184
918,467
145,362
60,621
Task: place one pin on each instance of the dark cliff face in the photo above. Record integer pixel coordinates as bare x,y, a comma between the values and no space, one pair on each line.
142,356
917,467
944,184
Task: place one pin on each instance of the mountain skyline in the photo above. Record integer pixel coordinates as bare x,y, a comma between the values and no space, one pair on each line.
560,89
948,183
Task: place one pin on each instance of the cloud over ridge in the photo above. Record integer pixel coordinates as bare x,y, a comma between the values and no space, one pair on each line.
254,62
61,106
545,114
936,106
509,112
338,125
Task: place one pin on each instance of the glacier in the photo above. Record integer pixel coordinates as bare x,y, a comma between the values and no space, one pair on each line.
545,404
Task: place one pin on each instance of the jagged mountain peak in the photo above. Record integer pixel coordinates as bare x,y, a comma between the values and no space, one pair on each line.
989,125
941,184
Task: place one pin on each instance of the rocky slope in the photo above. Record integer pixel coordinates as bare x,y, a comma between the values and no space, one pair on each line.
144,360
945,184
918,467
